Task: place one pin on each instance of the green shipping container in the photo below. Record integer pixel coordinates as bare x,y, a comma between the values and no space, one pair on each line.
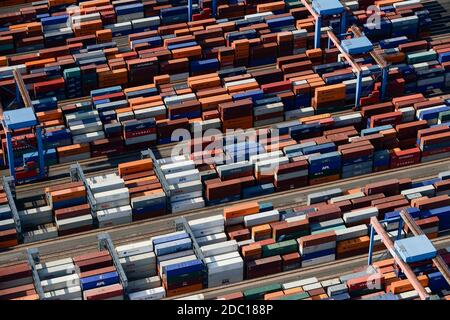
258,293
297,296
444,116
418,57
293,235
279,248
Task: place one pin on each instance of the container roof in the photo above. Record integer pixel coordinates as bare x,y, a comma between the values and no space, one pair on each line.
20,118
357,45
415,249
327,7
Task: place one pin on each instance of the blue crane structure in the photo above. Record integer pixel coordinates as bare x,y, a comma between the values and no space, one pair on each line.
407,250
322,8
357,45
213,11
23,118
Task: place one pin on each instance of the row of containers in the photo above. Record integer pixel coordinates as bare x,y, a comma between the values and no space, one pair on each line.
73,66
77,65
252,240
353,285
38,27
247,165
307,82
115,118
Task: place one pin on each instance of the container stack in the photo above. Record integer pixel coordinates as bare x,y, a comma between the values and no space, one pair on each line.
223,262
357,159
317,248
72,78
38,224
183,183
324,167
16,283
60,280
85,127
147,196
139,132
179,268
8,232
139,263
329,98
433,145
69,204
99,278
236,115
111,198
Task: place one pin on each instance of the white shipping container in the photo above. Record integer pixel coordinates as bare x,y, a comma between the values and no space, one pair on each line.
208,231
70,293
352,232
179,177
178,166
211,239
427,190
75,222
330,282
112,196
168,101
299,283
220,257
185,187
208,222
347,197
115,213
57,271
60,282
187,205
174,255
360,214
261,218
115,182
53,263
172,159
133,249
36,216
186,196
219,248
81,128
136,261
149,294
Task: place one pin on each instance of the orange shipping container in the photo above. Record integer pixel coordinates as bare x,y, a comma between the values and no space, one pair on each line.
183,290
49,115
73,149
9,243
405,285
330,93
135,166
70,193
240,210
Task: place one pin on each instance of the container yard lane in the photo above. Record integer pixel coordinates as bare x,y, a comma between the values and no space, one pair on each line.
61,246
